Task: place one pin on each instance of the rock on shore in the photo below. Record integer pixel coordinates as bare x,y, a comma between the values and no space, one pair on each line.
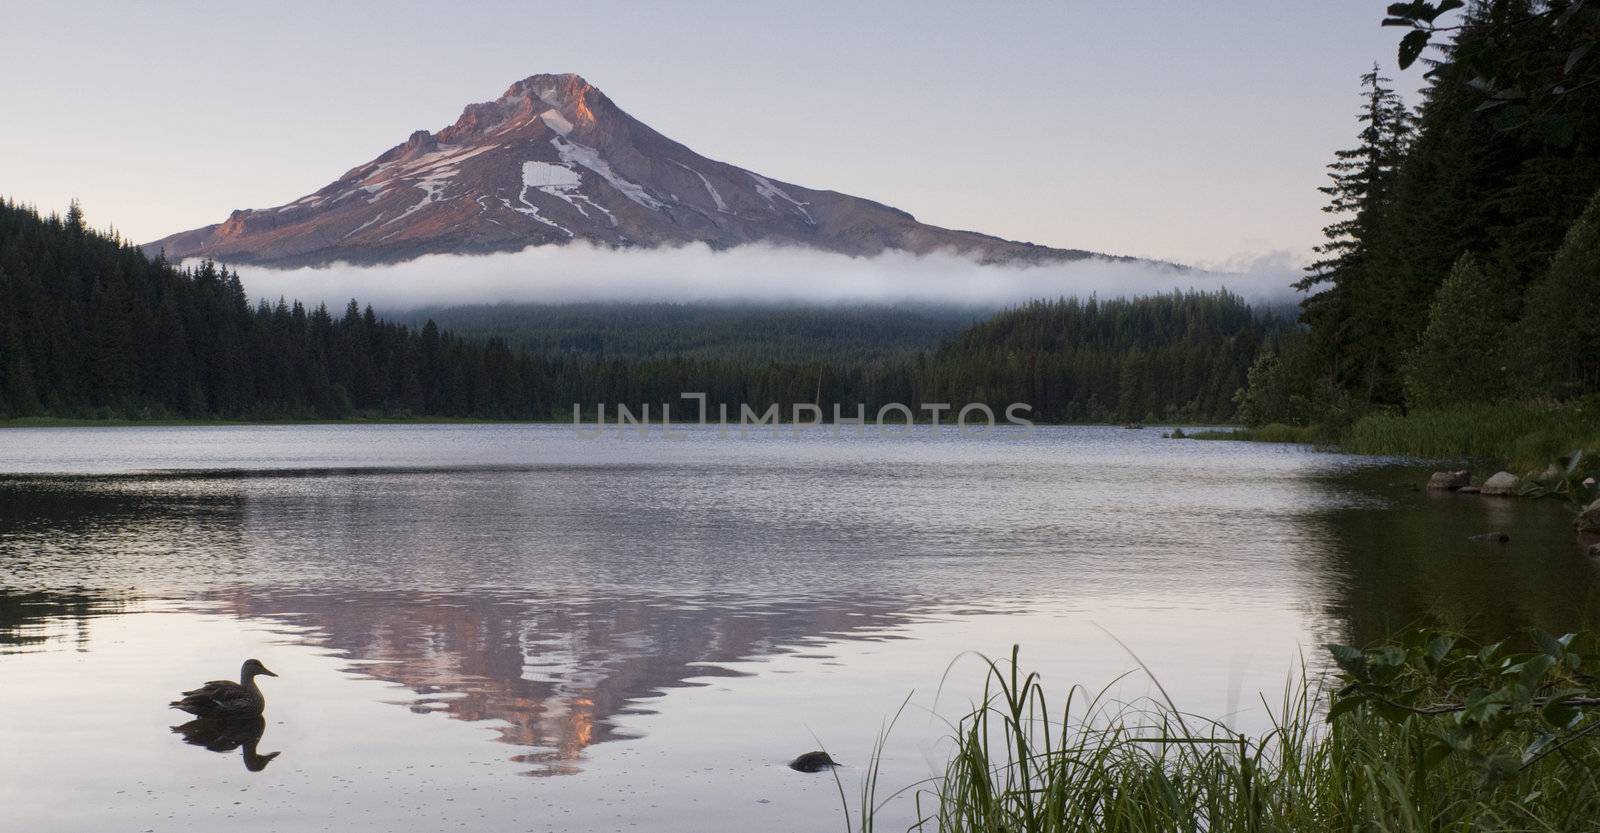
1588,522
1502,483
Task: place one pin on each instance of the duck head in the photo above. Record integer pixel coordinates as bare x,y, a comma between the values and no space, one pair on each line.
252,668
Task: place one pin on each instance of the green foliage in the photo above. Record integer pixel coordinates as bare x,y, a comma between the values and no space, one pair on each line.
1462,355
1285,388
1174,357
1362,179
91,327
1491,710
743,333
1361,189
1503,161
1519,85
1427,734
1528,437
1560,329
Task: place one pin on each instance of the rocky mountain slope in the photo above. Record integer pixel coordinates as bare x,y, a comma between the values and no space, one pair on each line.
553,160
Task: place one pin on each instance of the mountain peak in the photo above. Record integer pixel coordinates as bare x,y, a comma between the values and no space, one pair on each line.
550,161
552,89
565,94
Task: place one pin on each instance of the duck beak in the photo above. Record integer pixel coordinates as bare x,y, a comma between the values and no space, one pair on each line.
266,672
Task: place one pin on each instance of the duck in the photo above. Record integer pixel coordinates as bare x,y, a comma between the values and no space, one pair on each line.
226,698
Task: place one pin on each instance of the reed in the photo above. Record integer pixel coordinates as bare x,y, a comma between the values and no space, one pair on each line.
1523,437
1023,765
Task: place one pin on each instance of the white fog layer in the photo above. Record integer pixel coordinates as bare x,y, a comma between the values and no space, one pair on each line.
579,272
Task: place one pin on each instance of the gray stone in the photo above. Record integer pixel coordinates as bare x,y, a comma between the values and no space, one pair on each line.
1449,481
1491,538
1588,521
1502,483
1467,490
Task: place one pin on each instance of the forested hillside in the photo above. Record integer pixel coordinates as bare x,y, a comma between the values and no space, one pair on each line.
90,327
1463,263
739,331
1175,357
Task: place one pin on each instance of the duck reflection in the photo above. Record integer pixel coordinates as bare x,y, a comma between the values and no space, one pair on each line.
219,735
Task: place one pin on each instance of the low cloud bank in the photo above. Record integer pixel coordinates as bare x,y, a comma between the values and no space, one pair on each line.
747,274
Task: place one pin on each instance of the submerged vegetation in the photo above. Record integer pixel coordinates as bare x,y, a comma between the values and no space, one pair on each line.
1424,733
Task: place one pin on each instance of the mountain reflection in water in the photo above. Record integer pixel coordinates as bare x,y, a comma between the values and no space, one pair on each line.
720,606
556,672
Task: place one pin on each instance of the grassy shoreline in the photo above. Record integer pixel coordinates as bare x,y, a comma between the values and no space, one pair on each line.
1425,733
1521,438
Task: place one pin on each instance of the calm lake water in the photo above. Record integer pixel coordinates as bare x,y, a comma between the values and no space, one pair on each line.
513,628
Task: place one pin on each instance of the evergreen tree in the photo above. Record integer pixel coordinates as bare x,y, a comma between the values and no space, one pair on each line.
1462,355
1561,323
1362,184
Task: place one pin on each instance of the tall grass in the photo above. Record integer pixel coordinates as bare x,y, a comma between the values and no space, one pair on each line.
1021,765
1525,438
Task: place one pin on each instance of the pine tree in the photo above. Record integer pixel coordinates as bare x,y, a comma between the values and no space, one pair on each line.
74,221
1462,355
1362,181
1561,321
1362,184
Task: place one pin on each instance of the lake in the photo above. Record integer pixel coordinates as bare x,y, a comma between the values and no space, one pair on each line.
513,627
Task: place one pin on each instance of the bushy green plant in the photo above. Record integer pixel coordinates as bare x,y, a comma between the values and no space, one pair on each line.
1525,437
1427,733
1461,356
1524,721
1560,329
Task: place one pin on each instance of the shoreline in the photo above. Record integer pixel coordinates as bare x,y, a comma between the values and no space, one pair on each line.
70,422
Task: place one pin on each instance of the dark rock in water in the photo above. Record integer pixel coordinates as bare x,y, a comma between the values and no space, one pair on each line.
1449,481
1467,490
1595,550
812,762
1491,538
1588,521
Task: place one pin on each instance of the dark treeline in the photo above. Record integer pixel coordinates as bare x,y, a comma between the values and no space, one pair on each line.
746,332
1463,265
91,327
1178,357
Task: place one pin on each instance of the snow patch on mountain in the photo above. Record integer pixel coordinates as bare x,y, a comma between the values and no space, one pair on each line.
545,175
563,182
572,152
555,121
766,189
363,227
716,197
432,186
532,174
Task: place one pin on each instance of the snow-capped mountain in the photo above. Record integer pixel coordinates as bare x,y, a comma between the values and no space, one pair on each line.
551,161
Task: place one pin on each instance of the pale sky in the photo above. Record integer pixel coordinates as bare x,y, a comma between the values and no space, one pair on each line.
1187,131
